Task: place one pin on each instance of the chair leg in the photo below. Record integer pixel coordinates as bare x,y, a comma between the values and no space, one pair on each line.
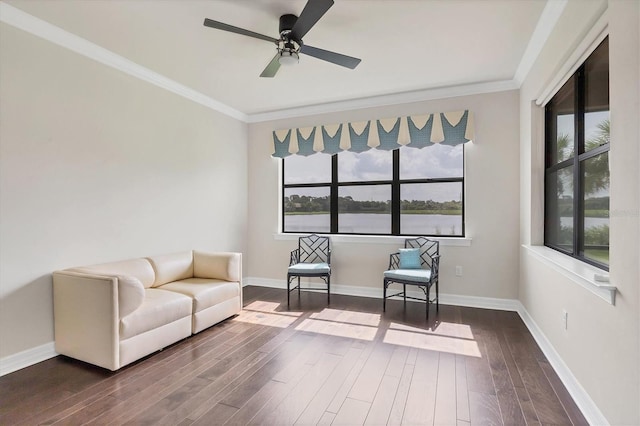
428,302
288,290
298,288
329,290
404,294
384,295
437,298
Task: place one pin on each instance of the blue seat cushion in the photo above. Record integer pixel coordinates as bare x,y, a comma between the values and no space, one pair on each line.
309,268
417,275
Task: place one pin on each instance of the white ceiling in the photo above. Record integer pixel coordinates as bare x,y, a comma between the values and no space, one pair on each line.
405,45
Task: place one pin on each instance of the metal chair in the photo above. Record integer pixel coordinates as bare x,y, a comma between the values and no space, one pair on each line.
312,258
422,274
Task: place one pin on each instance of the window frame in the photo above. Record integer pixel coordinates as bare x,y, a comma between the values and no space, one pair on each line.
395,182
576,162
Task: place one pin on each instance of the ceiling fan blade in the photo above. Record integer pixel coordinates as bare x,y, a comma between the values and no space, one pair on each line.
312,12
333,57
272,68
226,27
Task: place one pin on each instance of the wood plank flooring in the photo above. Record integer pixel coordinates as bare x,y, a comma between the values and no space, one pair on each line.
344,364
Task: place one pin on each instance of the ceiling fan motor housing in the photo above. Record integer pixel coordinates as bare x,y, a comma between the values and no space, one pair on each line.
286,24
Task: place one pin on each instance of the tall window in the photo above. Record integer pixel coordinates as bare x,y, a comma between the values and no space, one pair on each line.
407,191
577,163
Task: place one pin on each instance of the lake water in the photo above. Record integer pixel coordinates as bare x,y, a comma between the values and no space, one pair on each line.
413,224
589,222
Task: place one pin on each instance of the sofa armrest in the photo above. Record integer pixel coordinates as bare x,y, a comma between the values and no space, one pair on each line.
86,317
222,265
130,289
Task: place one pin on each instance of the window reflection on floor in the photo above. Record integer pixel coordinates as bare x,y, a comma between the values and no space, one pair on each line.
450,329
441,336
351,317
266,313
447,337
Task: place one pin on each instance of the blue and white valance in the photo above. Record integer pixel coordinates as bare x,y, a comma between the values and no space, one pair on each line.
416,131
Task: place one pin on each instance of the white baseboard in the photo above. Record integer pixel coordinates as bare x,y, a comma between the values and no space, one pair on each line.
582,399
376,293
26,358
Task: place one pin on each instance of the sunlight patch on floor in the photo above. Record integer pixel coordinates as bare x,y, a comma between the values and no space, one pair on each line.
342,323
262,306
433,342
450,329
333,328
266,313
350,317
443,336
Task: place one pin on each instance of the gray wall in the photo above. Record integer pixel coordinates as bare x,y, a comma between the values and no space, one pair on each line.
97,166
600,345
490,264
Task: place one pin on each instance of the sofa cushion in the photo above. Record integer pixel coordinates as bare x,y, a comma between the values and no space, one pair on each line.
172,267
138,268
130,295
160,307
222,266
204,292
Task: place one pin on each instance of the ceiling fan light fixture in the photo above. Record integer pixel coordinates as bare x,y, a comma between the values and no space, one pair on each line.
288,57
289,45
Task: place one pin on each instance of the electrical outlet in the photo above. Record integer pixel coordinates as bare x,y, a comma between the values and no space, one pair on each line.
458,271
565,318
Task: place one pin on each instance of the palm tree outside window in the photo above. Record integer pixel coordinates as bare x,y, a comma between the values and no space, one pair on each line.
577,140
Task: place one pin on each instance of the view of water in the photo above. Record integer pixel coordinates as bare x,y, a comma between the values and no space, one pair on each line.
589,222
413,224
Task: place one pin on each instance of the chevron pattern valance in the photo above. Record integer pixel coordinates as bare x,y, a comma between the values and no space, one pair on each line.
418,131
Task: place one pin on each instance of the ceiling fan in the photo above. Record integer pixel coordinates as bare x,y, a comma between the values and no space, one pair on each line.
290,45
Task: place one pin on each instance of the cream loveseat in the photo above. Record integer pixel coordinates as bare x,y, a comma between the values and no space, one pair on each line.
112,314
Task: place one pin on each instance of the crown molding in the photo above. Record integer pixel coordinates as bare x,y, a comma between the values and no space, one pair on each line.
386,100
547,22
29,23
40,28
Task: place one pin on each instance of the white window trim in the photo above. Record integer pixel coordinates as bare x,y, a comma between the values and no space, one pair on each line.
376,239
598,32
369,239
576,270
579,272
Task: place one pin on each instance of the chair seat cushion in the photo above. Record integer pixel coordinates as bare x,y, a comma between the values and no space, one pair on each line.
417,275
309,268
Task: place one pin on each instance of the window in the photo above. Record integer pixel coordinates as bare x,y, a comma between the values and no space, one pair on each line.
577,163
406,191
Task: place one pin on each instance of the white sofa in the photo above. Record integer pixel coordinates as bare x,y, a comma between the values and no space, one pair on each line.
112,314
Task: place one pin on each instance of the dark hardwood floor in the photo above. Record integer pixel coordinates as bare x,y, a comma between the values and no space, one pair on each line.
347,363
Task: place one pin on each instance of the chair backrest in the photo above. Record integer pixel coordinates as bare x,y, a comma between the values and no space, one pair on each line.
428,249
314,249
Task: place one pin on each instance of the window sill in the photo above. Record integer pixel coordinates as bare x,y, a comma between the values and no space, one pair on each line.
579,272
377,239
